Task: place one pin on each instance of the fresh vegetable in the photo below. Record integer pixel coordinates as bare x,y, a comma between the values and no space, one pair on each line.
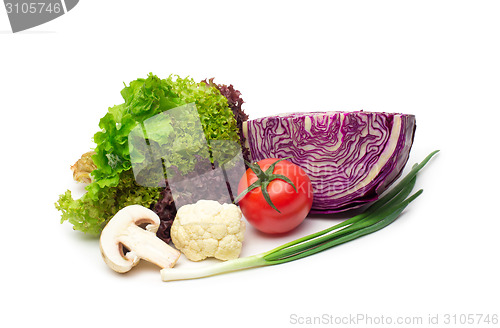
208,229
379,215
275,195
351,158
235,102
90,214
124,230
113,183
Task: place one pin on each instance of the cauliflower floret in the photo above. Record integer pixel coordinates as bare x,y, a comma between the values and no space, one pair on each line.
208,229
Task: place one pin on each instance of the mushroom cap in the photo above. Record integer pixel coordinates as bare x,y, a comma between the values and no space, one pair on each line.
116,231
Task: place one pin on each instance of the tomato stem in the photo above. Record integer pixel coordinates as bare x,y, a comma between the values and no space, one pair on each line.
264,178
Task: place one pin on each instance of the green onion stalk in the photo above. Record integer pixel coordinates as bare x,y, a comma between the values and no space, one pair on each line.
379,215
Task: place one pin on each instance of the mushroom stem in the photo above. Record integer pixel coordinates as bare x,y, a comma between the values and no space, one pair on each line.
145,245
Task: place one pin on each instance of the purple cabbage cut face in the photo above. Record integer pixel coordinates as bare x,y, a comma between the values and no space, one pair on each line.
350,157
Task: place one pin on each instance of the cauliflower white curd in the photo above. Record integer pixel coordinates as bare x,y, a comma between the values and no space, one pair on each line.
208,229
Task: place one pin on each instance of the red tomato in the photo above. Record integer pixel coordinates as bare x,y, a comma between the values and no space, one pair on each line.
293,205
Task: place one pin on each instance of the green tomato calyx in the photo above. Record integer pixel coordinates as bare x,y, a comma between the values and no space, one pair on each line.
264,178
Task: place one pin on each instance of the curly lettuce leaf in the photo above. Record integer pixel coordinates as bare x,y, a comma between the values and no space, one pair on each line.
90,214
145,98
113,184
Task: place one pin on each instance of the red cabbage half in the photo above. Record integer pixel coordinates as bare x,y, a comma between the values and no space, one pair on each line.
350,157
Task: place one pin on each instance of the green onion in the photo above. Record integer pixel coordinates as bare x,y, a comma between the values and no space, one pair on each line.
379,215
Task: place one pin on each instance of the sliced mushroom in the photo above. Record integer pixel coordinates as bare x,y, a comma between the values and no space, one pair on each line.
125,230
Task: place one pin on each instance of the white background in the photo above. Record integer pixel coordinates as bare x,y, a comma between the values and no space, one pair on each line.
439,60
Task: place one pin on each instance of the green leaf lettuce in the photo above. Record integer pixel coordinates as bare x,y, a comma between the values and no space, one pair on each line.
113,183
